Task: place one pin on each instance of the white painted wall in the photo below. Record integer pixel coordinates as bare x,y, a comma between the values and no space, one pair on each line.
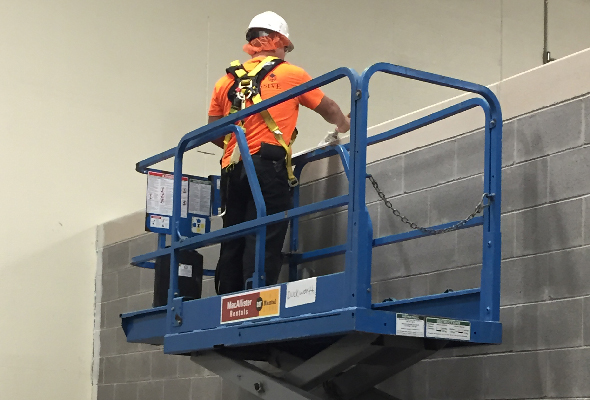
89,88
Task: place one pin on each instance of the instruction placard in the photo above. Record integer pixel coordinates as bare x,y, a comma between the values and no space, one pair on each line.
409,325
199,199
444,328
159,194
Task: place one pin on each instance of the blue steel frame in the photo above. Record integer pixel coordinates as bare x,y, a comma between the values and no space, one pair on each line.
350,291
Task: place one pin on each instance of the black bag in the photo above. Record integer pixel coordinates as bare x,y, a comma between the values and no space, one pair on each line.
190,276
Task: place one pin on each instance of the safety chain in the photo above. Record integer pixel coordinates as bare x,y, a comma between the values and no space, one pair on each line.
478,209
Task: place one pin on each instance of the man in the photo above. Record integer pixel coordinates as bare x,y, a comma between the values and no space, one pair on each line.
268,38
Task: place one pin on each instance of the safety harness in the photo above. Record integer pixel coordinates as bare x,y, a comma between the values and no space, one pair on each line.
247,86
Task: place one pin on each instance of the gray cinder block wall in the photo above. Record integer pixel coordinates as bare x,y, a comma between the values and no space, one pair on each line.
545,270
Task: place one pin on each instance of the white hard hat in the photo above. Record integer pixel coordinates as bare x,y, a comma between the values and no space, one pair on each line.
274,22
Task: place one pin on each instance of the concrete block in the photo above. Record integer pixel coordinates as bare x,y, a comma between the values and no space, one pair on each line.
106,392
470,152
141,301
340,223
126,391
525,185
524,280
143,244
124,347
470,242
551,227
108,342
208,288
306,194
508,321
568,373
146,280
456,279
456,378
568,273
316,233
454,201
414,206
190,369
549,130
586,220
469,246
115,257
413,257
110,289
138,366
327,188
112,311
400,288
164,366
100,371
430,166
114,369
331,186
151,390
411,383
210,256
206,388
507,222
177,389
389,175
586,321
548,325
568,174
128,282
586,107
515,376
324,266
508,142
103,316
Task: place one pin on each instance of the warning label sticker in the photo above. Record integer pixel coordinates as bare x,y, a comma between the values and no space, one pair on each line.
158,221
409,325
251,305
185,270
159,194
445,328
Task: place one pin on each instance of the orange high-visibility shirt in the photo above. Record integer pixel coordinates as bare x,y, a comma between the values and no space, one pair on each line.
283,77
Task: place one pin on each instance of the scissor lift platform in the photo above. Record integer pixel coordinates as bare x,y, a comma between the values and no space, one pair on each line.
323,338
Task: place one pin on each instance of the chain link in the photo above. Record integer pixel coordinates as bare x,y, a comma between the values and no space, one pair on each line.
478,209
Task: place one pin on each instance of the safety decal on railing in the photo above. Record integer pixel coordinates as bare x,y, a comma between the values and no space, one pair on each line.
251,305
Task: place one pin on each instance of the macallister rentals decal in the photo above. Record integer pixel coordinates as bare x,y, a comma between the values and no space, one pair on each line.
251,305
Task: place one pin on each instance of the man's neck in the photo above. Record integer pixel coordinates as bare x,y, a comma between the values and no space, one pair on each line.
264,54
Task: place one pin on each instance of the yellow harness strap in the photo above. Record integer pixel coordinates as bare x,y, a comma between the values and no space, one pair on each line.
246,85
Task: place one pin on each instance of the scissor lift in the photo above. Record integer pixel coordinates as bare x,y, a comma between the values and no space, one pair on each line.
323,338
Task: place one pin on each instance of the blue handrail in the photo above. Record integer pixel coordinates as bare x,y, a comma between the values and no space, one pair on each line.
360,241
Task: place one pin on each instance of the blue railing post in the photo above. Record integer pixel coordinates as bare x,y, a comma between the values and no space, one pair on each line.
259,276
359,244
294,233
492,236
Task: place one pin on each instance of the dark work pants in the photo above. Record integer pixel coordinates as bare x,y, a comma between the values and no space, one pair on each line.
236,260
